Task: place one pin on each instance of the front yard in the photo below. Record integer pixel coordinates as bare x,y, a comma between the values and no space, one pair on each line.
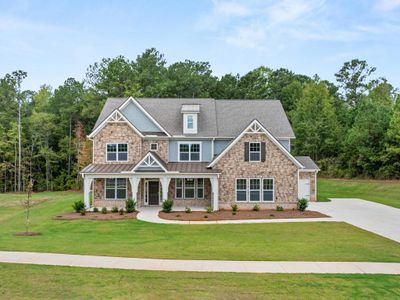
48,282
133,238
382,191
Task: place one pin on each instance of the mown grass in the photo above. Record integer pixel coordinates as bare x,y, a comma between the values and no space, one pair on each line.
133,238
49,282
381,191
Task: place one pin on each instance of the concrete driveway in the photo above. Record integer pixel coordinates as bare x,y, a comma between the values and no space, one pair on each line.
377,218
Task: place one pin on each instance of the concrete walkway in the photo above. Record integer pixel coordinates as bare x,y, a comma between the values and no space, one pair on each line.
375,217
150,214
198,265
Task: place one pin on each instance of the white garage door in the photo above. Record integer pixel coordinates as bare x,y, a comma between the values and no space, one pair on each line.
304,189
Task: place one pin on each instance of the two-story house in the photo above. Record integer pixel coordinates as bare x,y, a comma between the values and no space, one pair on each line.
198,152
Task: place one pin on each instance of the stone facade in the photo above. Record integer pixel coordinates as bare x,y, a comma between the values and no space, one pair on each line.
117,133
162,148
277,165
313,178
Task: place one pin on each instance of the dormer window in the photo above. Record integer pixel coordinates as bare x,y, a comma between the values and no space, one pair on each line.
190,113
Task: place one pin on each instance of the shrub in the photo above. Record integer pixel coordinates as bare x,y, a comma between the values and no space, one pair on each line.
205,216
234,207
114,209
130,205
209,209
302,204
234,212
188,210
256,207
104,210
279,208
167,205
121,211
78,206
83,212
96,210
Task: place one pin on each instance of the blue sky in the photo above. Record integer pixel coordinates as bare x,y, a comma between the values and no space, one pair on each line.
54,40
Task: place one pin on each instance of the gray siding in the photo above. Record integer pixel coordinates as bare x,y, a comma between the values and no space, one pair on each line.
206,149
285,143
139,119
220,145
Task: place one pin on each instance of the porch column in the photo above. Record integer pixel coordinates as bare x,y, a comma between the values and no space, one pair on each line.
87,183
215,192
164,186
134,181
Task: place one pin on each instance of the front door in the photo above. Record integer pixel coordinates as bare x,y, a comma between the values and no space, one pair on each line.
154,192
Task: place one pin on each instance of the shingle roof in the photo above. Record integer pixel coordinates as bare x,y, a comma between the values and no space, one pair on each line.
217,118
307,162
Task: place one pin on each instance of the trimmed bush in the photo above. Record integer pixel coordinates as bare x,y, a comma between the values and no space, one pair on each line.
167,205
96,210
104,210
130,205
114,209
279,208
78,206
302,204
188,210
83,212
209,209
234,207
256,207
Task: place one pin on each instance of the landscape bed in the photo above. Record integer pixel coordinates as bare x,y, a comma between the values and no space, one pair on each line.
95,216
240,215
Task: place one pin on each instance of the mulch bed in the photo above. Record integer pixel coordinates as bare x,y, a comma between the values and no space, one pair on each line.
240,215
96,216
29,233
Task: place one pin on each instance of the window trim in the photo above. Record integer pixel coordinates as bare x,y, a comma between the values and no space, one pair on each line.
246,190
186,129
115,190
183,188
273,190
153,150
190,144
259,152
261,190
118,143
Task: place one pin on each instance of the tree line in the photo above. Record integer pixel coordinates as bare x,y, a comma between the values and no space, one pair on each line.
350,127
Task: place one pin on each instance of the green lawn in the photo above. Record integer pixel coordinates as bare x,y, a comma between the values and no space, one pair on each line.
48,282
381,191
133,238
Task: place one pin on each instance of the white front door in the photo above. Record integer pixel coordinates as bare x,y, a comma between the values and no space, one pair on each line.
304,189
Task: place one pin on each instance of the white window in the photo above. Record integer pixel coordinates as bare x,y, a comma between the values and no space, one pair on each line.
117,152
241,190
190,123
268,189
255,190
255,151
115,188
189,188
153,147
189,151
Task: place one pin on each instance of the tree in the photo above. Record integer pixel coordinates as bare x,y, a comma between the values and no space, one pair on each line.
315,123
391,155
353,80
226,87
254,85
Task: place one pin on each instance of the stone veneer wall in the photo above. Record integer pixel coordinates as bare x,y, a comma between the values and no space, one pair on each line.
313,177
191,202
162,148
117,133
277,165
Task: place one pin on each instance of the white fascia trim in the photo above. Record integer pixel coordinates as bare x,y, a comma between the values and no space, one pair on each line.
144,158
309,170
96,131
133,100
272,138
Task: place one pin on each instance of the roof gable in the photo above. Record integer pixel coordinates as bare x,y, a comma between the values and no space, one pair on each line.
256,127
151,162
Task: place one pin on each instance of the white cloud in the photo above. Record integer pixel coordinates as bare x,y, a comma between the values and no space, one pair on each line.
387,5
